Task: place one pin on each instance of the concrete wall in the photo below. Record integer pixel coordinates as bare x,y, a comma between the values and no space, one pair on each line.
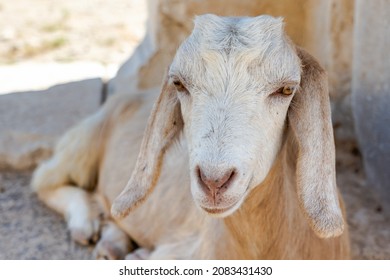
371,92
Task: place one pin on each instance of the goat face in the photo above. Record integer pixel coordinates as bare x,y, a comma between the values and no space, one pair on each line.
235,79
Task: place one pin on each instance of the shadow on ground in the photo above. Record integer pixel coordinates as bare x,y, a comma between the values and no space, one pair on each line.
29,230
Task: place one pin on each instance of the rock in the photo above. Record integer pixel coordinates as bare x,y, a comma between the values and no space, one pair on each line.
31,122
40,76
371,92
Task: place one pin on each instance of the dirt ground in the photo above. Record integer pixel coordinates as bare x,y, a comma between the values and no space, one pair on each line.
368,225
28,230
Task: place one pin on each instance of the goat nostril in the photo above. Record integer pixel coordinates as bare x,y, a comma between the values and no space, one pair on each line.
229,176
213,184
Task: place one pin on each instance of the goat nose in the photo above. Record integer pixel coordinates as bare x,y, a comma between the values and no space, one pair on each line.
216,184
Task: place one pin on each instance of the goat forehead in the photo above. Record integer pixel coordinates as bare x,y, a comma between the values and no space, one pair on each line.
230,33
236,50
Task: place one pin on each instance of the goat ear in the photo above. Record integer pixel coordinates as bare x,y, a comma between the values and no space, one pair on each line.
164,124
310,121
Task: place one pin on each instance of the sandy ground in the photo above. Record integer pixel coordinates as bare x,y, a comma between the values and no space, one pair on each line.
29,230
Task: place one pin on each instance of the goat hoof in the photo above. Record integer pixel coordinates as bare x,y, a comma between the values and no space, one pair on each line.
87,233
106,250
114,243
139,254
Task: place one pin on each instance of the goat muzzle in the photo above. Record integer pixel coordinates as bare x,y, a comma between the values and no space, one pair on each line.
214,186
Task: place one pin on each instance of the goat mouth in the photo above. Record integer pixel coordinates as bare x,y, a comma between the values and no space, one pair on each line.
217,211
220,212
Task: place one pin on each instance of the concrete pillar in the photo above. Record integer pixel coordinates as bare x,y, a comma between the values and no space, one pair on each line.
371,92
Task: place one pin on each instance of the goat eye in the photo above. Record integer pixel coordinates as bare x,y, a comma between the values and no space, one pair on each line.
177,83
179,86
286,90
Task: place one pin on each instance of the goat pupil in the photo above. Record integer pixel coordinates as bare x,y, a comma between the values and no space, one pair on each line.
287,90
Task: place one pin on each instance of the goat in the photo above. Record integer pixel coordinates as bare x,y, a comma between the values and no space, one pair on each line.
252,173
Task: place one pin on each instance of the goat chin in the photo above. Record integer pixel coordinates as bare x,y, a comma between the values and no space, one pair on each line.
225,111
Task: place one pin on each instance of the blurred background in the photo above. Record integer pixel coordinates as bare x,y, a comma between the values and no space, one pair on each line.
94,36
60,60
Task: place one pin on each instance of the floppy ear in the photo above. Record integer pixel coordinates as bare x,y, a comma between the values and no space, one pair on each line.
310,121
164,124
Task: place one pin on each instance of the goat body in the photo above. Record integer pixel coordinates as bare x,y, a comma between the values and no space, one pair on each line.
275,216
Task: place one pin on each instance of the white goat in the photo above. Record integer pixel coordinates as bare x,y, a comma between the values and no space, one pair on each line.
252,175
